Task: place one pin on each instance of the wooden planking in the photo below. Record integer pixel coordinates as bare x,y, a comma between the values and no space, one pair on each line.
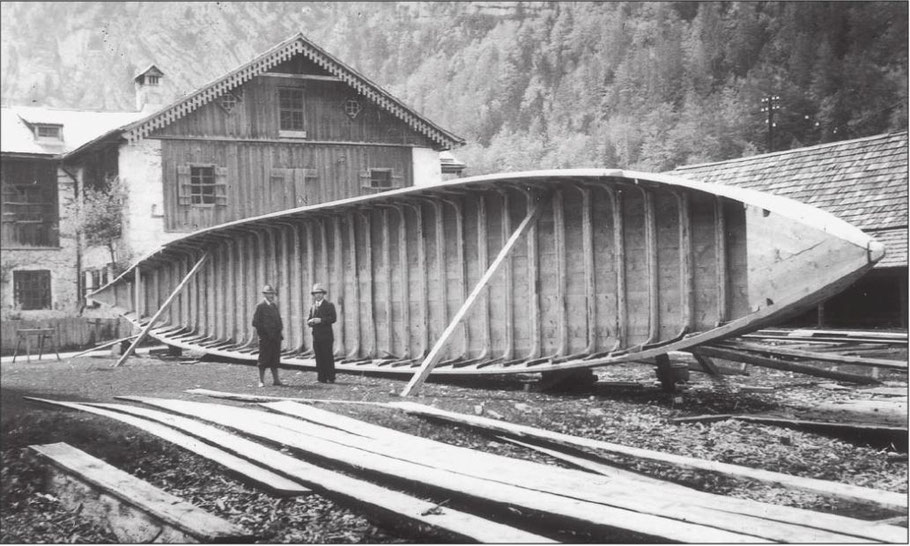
238,467
810,526
436,353
256,115
583,513
388,505
817,356
622,489
749,358
884,499
639,278
263,177
837,525
186,520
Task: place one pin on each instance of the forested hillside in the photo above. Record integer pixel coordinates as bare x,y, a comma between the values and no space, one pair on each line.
529,85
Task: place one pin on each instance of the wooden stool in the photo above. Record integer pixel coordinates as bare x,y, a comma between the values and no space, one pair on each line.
43,335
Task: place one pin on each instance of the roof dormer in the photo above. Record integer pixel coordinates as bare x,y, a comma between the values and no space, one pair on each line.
44,128
48,132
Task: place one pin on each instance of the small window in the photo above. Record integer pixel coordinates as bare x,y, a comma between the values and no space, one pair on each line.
202,185
49,132
381,179
352,108
229,100
151,79
290,105
32,289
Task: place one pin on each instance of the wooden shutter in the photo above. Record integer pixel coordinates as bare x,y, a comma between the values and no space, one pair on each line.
397,179
183,185
221,186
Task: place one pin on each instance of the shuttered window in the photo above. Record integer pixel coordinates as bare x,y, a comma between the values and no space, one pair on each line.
201,185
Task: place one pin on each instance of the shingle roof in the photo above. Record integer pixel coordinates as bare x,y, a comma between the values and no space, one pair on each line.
79,127
862,181
295,45
895,241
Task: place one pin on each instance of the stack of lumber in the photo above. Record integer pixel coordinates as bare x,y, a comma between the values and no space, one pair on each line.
386,506
612,504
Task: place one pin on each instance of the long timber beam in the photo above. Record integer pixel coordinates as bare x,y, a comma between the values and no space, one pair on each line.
142,335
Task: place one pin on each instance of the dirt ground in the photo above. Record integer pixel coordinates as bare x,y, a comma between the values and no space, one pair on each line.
625,406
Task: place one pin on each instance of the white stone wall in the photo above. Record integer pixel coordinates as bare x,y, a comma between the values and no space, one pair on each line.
140,171
427,169
60,261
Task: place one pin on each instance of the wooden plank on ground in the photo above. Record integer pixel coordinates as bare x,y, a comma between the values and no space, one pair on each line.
784,421
740,356
566,509
886,412
817,356
874,497
130,504
256,398
518,472
572,484
388,505
240,468
827,425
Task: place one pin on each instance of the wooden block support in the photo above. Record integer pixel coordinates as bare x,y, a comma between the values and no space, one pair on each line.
134,510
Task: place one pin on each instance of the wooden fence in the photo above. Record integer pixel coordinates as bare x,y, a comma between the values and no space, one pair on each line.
73,333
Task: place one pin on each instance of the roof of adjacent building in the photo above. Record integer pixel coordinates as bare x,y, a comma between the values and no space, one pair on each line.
79,128
297,44
862,181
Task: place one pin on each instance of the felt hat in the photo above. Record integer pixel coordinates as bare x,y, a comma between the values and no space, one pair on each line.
317,288
267,289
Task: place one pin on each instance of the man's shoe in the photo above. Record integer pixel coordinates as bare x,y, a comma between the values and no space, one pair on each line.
261,384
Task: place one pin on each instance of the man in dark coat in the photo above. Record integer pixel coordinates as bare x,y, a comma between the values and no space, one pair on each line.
267,322
321,319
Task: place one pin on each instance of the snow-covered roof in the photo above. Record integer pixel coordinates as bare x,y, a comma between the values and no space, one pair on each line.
79,128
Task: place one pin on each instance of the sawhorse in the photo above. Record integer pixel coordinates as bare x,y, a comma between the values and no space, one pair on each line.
43,335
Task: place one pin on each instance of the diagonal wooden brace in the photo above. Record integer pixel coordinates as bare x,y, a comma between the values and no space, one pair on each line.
161,310
436,353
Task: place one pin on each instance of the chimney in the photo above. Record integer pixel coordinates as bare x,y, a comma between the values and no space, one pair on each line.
149,92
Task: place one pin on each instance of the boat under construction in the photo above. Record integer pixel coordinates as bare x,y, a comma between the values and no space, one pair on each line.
510,273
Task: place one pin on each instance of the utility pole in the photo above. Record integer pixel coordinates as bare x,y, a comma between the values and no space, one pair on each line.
770,104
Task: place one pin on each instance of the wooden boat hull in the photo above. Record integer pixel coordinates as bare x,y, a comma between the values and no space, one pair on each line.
616,266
